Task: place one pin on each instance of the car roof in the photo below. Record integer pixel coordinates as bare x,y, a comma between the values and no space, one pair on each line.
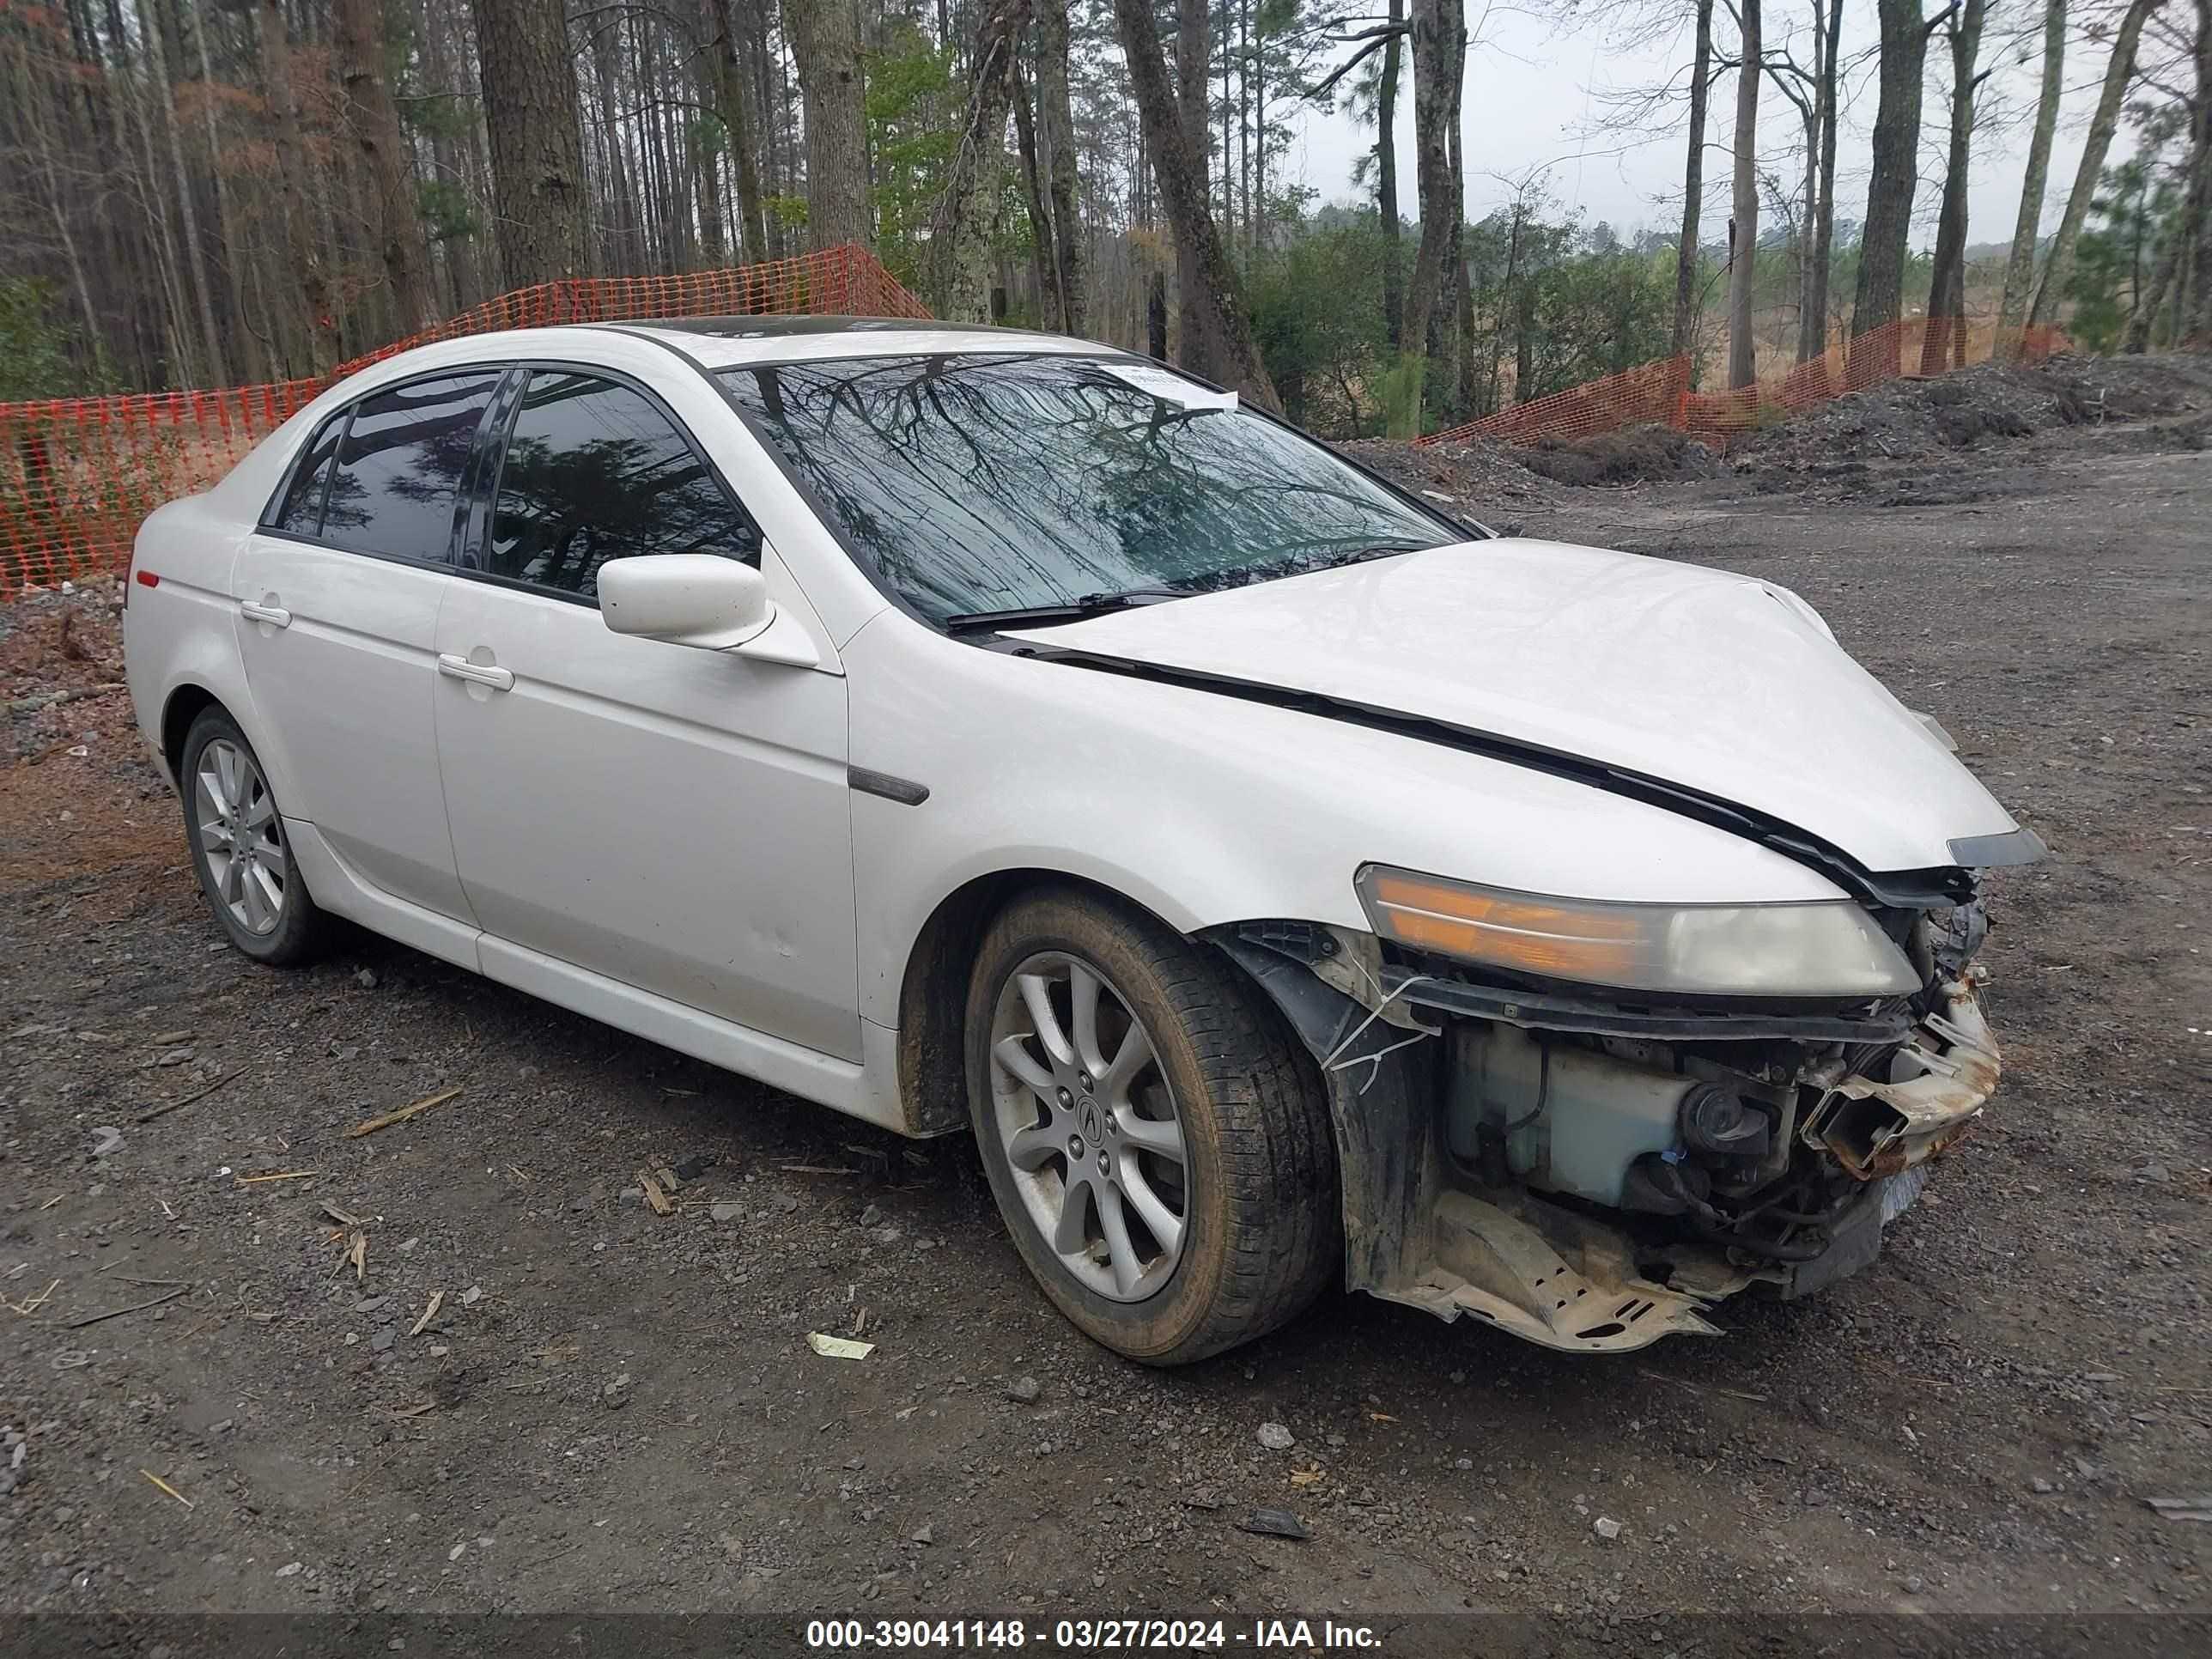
728,342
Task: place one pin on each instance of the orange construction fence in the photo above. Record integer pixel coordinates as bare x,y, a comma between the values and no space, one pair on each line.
78,476
1659,392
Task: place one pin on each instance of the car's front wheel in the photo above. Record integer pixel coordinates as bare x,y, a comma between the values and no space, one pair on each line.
240,850
1157,1142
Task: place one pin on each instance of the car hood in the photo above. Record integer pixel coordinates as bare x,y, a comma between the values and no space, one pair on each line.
1702,679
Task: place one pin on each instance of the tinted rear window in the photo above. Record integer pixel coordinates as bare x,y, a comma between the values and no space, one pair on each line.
301,513
398,470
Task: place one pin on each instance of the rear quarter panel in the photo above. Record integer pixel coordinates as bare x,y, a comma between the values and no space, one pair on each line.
181,631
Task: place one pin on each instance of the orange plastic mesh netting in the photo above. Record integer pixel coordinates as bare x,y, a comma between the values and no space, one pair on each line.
78,476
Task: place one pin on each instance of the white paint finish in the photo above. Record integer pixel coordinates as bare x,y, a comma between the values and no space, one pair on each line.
820,1077
671,817
341,890
662,837
1699,677
1207,809
179,634
345,686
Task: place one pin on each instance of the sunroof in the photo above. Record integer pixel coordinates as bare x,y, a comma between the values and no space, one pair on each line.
769,327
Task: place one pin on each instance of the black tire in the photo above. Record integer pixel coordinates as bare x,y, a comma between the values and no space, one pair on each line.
302,929
1264,1229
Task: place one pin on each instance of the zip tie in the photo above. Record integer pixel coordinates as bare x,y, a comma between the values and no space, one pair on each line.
1374,1061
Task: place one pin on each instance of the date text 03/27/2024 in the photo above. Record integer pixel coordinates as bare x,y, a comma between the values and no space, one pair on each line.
1090,1635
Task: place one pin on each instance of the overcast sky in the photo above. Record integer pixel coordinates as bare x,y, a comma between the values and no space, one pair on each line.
1535,95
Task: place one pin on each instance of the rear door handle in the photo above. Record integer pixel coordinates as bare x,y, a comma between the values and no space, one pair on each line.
477,673
275,616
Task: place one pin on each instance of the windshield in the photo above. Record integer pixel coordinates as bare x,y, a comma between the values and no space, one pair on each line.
981,484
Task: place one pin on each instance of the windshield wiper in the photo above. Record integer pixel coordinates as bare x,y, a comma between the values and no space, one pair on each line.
1077,610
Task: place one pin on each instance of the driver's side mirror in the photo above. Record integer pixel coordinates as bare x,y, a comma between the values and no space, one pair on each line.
686,599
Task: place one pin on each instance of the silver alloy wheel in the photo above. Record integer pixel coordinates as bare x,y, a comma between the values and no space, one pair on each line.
239,836
1090,1126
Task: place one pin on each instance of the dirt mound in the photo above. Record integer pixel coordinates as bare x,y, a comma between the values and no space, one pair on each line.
1636,454
58,652
1479,480
1914,420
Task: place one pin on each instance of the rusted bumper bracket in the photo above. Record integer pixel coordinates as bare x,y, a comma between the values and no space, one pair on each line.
1945,1075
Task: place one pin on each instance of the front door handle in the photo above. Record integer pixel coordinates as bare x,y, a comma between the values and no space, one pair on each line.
275,616
477,673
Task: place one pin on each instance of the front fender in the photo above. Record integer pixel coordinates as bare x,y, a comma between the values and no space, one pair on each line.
1208,810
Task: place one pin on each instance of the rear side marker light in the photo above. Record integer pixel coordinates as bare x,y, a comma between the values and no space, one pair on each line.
148,579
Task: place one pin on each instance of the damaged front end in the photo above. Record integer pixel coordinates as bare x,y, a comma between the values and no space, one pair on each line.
1592,1170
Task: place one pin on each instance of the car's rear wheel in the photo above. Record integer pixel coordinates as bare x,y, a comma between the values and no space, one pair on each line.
240,848
1158,1144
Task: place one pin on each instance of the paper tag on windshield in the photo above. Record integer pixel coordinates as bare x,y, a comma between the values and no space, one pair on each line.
1168,387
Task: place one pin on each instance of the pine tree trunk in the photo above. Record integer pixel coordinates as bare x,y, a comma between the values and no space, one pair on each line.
1183,193
2194,314
1693,189
960,235
1947,294
2019,264
1808,311
1057,117
1880,297
825,37
1386,179
316,332
537,147
192,256
1743,240
1196,348
1439,34
2119,73
733,107
1043,261
1824,228
1461,399
374,121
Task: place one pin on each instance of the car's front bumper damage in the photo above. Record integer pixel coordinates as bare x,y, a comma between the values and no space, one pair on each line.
1592,1178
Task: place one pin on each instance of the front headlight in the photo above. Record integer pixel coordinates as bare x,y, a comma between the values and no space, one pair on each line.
1821,948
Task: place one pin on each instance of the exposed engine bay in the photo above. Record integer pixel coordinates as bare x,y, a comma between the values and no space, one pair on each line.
1594,1174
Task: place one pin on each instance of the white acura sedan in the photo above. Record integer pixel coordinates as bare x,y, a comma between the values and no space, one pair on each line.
1286,881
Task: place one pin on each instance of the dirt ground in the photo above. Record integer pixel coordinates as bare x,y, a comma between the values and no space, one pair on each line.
613,1409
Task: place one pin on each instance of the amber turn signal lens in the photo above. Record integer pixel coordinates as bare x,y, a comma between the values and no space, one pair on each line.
1810,948
1531,934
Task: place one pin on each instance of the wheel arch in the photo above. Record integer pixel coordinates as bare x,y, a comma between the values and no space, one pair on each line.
187,702
933,998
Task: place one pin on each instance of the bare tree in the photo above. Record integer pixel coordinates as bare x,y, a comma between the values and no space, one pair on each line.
536,148
1813,92
825,39
1439,29
1196,348
317,331
1946,334
2118,72
1743,228
1056,116
733,104
1694,186
1880,297
1386,176
960,235
1167,141
2019,264
374,121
